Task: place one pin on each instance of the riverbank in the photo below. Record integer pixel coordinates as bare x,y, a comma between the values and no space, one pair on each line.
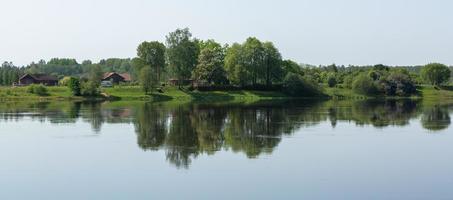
134,93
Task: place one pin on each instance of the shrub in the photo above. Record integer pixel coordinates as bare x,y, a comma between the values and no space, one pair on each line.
90,88
74,86
363,84
398,83
296,85
65,81
39,90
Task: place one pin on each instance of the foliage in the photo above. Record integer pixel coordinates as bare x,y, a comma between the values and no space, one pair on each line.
398,83
74,86
296,85
210,66
331,80
39,90
64,81
182,53
365,85
435,73
153,55
146,79
254,63
90,89
9,73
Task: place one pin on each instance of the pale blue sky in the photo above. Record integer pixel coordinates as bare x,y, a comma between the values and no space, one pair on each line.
394,32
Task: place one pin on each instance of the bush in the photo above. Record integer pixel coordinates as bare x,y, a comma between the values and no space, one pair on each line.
39,90
398,84
74,86
65,81
296,85
90,88
363,84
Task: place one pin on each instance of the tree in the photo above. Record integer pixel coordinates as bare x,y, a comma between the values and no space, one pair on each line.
435,73
296,85
182,53
153,54
146,79
363,84
74,86
273,63
233,65
91,87
253,60
331,80
210,68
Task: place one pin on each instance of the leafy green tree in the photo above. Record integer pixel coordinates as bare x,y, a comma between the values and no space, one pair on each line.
210,68
182,53
273,64
74,86
290,66
153,54
435,73
296,85
233,65
146,79
253,59
331,80
363,84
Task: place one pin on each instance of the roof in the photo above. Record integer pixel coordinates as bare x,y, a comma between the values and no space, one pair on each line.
41,77
126,76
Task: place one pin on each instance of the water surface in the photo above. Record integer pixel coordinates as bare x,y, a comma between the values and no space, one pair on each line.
263,150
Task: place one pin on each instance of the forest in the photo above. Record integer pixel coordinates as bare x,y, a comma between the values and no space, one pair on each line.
252,65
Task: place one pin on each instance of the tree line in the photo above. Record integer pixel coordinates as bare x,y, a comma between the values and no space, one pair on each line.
252,64
256,64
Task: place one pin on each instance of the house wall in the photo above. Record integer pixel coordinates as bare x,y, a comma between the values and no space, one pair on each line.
27,81
115,78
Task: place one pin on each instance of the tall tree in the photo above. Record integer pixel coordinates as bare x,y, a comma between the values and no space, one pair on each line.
234,66
253,61
210,66
272,63
153,54
146,79
182,53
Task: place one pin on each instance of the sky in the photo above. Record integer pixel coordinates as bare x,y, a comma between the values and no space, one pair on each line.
359,32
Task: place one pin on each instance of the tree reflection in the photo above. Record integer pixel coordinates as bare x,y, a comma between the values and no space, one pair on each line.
436,118
186,131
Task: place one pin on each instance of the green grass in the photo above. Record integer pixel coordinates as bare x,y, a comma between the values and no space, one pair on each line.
135,93
21,94
173,93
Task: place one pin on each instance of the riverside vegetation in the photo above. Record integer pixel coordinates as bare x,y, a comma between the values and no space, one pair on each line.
208,70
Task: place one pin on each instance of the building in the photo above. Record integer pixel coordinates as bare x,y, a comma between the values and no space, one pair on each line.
47,80
116,78
182,82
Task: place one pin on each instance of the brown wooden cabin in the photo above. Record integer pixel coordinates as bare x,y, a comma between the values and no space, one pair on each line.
183,82
47,80
116,77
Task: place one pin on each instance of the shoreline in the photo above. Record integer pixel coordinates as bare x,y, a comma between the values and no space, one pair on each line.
133,93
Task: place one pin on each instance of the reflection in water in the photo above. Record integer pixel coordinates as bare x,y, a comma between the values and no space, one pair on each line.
436,118
185,131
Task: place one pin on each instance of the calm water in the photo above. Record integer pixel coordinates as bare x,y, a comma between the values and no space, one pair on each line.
267,150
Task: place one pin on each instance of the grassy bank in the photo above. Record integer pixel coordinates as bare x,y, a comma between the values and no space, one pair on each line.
134,93
173,93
